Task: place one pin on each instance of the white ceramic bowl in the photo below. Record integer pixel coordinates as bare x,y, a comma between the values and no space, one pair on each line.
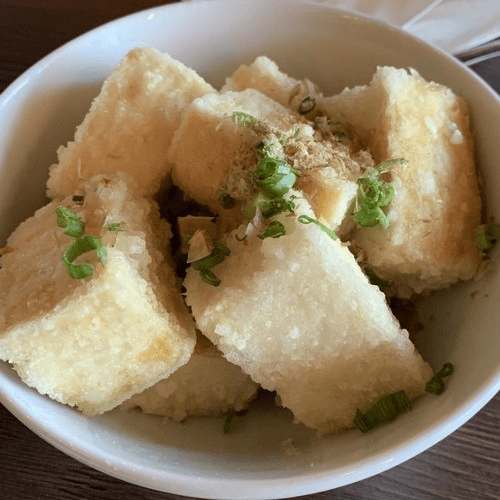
40,110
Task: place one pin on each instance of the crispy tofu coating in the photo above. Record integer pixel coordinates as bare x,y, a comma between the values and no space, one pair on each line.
213,157
94,342
130,124
429,243
300,317
292,310
265,76
207,385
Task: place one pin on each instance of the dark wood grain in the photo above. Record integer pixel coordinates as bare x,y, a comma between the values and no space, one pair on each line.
465,466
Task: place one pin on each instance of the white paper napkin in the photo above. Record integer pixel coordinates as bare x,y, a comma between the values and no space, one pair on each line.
458,25
453,25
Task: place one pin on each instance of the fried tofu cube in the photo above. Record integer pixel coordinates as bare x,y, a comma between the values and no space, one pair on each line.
213,156
430,241
207,385
265,76
130,124
94,342
210,151
299,316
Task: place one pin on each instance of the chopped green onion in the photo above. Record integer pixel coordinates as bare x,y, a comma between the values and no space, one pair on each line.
385,410
80,246
116,226
228,420
216,257
367,217
274,176
487,235
282,187
71,223
270,208
209,277
270,170
204,265
307,104
244,119
374,194
305,219
274,230
436,384
73,226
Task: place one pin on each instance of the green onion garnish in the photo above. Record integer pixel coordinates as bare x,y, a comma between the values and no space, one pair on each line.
305,219
82,245
205,264
270,208
374,194
270,170
274,176
281,187
369,217
274,230
209,277
307,104
436,384
216,257
487,235
244,119
116,226
385,410
71,223
74,226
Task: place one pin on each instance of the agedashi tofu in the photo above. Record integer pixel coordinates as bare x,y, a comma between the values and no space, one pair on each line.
130,124
300,317
296,218
207,385
209,149
429,243
96,341
265,76
213,156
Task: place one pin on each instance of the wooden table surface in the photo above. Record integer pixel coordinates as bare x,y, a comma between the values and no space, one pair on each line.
465,466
